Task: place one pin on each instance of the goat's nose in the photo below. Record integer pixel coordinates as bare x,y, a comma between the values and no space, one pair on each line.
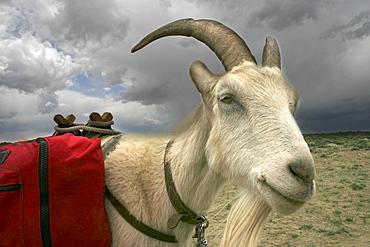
304,171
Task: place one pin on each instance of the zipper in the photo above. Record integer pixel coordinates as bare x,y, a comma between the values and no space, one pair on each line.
12,187
44,192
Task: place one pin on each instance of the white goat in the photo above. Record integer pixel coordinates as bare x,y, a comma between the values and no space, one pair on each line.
243,131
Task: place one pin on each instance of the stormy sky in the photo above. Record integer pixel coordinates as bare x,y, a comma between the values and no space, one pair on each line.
74,57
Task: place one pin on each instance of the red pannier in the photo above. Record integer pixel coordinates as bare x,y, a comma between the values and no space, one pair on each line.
52,193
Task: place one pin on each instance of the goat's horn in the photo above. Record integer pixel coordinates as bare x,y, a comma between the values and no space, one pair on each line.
229,47
271,54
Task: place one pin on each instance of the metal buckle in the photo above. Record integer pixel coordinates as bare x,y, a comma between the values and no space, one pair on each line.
200,233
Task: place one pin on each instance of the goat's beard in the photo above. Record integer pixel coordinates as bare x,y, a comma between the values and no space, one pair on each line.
245,221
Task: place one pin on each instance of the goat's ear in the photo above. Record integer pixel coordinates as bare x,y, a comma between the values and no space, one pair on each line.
202,77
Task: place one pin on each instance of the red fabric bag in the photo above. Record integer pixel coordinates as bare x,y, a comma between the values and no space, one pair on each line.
52,193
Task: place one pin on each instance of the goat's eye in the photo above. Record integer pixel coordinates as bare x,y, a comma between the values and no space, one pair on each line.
292,108
227,99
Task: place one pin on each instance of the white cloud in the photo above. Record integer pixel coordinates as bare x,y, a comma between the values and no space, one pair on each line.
84,25
28,64
148,121
21,116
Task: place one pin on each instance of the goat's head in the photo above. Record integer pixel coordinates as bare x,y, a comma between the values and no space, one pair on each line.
254,140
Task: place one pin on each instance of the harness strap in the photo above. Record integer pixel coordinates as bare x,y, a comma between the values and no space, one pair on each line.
140,226
184,213
108,144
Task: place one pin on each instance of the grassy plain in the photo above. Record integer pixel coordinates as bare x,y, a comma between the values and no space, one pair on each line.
339,214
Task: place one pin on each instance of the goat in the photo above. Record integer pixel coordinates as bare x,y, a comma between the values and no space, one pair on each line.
243,132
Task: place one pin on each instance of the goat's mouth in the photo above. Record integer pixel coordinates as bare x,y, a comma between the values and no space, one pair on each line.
293,201
282,201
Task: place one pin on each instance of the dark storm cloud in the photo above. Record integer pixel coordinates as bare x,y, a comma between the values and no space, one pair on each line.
357,28
281,15
150,93
81,22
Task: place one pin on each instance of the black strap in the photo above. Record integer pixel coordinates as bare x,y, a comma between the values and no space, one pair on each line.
184,213
140,226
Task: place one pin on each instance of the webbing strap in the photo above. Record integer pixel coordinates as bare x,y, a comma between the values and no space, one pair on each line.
184,213
140,226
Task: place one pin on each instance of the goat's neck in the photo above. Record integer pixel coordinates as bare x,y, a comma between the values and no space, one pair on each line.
197,185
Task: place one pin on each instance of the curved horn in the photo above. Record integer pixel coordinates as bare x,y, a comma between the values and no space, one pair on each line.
229,47
271,53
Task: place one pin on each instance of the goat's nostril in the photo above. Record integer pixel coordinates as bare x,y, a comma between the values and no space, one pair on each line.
304,172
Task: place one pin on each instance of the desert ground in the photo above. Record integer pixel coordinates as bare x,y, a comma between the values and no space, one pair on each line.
338,215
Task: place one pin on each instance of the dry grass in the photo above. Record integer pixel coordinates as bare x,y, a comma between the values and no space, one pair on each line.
339,215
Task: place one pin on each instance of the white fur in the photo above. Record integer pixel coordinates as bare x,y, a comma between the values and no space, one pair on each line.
251,142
